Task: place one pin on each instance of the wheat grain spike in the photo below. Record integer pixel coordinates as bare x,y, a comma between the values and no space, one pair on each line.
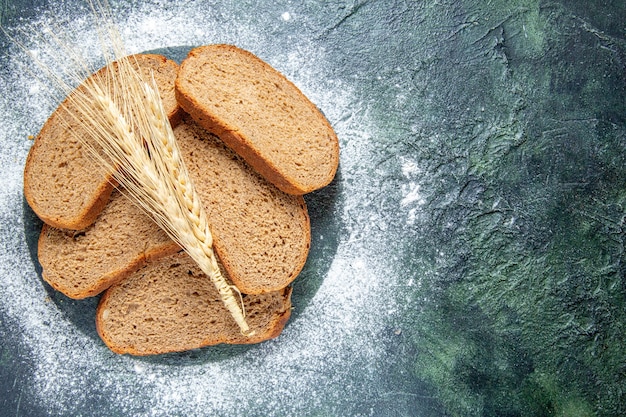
129,134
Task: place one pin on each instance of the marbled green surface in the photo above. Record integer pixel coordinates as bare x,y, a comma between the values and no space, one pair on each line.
479,209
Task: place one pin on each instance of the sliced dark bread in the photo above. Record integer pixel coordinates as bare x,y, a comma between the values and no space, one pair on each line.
261,115
84,263
171,306
261,234
61,183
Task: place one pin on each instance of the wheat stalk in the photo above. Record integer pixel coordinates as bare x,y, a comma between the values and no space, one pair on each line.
129,134
151,169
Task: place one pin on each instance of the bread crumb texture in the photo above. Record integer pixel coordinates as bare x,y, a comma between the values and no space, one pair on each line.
84,263
261,234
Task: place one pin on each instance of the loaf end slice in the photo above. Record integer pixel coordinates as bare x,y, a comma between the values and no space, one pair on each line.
261,115
172,306
61,183
84,263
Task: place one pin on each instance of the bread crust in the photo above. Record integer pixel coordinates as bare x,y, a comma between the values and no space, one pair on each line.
236,138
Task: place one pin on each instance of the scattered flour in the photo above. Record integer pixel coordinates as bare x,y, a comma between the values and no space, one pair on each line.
412,198
329,356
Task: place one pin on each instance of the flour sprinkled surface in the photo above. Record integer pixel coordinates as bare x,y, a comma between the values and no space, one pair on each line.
466,261
330,354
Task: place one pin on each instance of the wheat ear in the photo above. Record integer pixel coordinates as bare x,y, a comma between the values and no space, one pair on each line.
149,165
129,135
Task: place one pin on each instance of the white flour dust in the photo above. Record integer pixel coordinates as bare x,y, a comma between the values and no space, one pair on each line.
328,354
412,196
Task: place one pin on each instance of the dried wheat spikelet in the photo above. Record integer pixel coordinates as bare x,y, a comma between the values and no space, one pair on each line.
129,134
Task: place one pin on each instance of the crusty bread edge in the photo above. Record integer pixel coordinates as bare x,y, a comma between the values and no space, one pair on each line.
176,115
241,145
112,277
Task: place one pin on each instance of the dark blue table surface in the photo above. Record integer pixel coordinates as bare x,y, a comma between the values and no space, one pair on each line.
468,259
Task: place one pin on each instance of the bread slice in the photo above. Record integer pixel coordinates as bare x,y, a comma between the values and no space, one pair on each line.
259,114
261,234
172,306
61,184
84,263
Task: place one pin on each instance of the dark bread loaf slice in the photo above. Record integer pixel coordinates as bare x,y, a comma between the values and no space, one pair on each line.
261,234
171,306
261,115
84,263
61,183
